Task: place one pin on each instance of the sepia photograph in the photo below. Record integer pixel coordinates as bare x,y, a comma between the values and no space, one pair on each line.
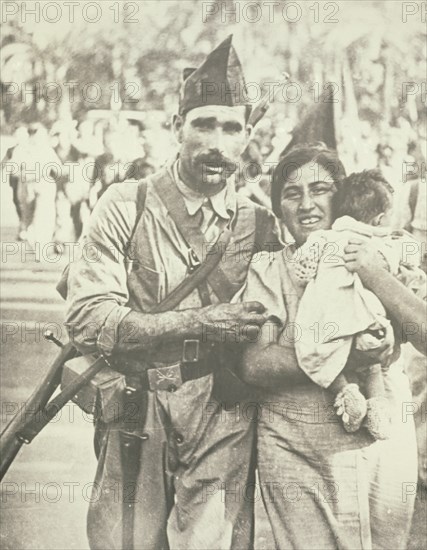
213,225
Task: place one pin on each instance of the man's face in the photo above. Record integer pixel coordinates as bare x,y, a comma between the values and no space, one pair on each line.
212,139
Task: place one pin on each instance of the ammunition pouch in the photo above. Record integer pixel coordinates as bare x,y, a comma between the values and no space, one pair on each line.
102,397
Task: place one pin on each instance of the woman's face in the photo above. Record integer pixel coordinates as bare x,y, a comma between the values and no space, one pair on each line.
306,201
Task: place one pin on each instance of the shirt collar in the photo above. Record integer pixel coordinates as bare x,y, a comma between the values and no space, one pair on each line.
223,203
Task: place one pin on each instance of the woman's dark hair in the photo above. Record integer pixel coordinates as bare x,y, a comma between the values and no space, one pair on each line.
363,196
296,158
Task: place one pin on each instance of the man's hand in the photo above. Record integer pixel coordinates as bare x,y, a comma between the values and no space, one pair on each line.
232,322
364,259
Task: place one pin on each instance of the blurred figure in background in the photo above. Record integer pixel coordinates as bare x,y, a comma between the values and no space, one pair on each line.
62,134
73,148
105,173
139,169
79,186
41,169
124,156
415,175
133,140
15,156
392,152
159,145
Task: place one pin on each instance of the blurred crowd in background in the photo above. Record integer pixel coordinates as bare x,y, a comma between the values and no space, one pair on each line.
57,174
96,98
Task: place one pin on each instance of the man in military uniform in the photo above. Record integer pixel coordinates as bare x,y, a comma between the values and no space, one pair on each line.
194,470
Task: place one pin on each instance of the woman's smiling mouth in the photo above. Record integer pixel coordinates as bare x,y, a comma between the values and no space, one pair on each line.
309,220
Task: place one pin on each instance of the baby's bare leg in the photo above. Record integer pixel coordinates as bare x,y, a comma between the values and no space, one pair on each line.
378,417
375,382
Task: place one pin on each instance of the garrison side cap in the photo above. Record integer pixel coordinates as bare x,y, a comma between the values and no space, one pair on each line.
218,80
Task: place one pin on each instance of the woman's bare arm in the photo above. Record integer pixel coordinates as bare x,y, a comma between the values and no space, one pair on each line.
267,363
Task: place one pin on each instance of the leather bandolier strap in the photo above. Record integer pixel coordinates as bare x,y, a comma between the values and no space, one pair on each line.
136,395
190,230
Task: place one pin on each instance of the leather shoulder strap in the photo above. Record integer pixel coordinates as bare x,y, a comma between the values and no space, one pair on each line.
141,196
190,230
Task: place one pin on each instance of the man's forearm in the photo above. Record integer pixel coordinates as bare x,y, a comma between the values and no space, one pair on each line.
402,304
138,331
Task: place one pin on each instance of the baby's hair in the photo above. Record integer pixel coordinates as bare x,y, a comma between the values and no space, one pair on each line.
363,195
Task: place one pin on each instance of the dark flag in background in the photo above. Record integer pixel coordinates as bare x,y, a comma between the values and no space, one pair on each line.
317,125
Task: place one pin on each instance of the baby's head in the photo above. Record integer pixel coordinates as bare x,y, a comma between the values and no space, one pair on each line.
365,196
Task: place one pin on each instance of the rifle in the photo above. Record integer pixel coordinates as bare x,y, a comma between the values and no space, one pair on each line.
23,428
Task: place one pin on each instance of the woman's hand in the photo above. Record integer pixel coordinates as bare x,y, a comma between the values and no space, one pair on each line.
363,258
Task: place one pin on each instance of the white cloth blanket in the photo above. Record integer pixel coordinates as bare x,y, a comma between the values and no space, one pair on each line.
335,306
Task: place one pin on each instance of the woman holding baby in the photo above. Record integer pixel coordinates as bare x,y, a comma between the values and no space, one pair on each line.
326,483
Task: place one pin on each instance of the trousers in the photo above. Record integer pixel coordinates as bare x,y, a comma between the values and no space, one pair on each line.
196,480
325,489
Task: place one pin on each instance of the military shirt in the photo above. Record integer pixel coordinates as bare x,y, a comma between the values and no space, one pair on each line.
106,281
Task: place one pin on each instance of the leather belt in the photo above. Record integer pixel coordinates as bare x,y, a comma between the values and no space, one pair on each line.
183,351
169,367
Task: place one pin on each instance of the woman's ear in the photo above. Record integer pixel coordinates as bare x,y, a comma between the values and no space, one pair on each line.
177,125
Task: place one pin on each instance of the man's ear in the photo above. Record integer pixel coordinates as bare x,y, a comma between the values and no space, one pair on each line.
177,125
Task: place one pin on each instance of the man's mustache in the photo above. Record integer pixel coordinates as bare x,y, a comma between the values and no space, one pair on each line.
216,159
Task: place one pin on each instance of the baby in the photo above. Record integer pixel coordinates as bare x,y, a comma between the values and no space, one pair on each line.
336,313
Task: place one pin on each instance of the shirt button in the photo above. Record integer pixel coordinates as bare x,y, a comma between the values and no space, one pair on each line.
179,438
